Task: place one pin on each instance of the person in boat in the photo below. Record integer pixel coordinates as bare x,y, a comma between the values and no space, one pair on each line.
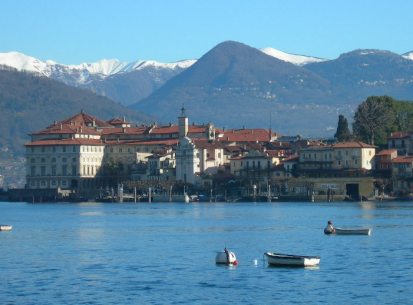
227,254
329,229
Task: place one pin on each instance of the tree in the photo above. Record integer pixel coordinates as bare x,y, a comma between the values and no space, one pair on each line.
374,119
343,132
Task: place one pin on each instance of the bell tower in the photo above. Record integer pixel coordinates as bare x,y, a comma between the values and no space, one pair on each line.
183,124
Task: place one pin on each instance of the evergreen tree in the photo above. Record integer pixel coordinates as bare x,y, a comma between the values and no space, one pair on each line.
343,132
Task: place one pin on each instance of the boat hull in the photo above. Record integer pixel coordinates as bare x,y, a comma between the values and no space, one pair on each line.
352,231
5,227
278,259
223,258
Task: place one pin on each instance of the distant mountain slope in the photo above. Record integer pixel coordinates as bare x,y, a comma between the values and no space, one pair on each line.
29,102
236,85
128,88
361,73
299,60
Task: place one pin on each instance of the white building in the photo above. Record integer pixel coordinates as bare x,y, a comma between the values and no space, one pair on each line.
196,156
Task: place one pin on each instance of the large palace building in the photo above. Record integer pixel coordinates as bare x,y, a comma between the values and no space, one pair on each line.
84,152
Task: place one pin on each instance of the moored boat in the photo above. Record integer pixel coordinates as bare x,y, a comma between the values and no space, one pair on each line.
5,227
352,231
278,259
226,257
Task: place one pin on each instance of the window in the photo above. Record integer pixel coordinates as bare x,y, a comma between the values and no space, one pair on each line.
53,160
42,160
64,170
64,148
73,148
64,160
73,160
73,170
33,160
32,170
53,149
43,149
53,170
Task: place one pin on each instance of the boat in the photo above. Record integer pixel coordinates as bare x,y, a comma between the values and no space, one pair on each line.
226,257
278,259
350,231
5,227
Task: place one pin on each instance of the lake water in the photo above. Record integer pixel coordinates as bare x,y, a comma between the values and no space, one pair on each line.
94,253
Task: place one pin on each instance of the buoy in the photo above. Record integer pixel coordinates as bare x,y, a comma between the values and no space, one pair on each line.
255,262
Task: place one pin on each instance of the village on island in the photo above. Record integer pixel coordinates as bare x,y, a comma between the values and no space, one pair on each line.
86,158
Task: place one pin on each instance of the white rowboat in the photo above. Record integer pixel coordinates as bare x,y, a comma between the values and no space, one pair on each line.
351,231
5,227
226,258
278,259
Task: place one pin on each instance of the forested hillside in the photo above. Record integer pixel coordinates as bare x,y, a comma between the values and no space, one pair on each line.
29,103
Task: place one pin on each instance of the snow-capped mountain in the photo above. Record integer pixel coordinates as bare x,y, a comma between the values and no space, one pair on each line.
408,55
299,60
85,72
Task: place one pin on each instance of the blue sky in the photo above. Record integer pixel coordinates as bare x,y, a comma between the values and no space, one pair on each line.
75,31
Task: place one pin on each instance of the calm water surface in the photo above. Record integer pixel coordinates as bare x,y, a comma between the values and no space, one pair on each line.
95,253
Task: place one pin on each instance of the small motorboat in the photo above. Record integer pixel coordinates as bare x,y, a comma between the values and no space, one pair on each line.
5,227
350,231
226,257
278,259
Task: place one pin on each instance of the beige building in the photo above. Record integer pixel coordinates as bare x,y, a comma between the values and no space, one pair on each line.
65,155
339,156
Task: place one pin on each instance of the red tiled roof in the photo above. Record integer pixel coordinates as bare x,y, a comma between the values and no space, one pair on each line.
117,121
204,143
398,135
403,159
386,152
245,135
355,144
84,119
168,142
273,153
65,142
291,159
66,129
125,130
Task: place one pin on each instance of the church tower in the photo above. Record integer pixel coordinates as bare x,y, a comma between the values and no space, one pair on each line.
183,124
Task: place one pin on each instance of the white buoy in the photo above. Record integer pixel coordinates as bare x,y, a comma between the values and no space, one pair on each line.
255,262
